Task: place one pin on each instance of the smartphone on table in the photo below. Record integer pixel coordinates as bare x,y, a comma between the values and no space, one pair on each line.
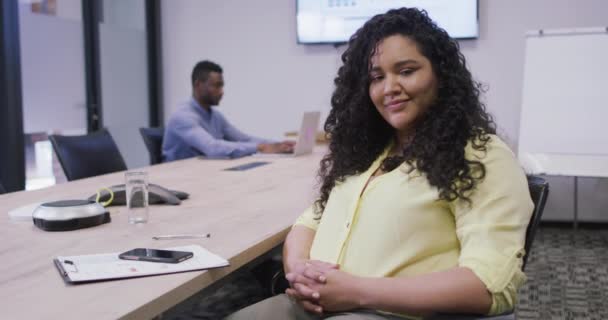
156,255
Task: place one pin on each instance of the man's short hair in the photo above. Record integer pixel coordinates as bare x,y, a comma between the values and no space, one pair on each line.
203,68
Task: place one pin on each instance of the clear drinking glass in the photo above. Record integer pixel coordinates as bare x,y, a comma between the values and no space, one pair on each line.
137,196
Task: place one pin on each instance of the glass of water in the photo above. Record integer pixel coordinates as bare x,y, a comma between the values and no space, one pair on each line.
137,196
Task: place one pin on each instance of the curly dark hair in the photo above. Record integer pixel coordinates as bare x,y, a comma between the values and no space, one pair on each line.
359,134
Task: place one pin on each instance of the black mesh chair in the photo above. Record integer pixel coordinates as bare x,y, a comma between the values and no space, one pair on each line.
87,155
153,138
539,191
2,190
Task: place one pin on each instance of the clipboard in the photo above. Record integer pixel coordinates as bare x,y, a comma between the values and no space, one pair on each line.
107,266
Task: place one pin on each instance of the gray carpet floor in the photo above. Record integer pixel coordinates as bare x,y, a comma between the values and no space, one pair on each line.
567,276
567,280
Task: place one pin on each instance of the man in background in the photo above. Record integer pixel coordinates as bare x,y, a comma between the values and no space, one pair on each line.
196,128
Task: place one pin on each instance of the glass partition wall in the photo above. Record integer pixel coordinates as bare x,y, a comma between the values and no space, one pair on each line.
85,64
53,86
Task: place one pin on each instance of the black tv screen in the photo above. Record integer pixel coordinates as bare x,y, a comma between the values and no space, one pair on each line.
334,21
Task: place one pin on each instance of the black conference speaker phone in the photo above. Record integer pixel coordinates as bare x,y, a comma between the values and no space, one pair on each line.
68,215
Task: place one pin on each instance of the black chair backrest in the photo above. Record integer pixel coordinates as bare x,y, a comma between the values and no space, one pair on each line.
153,138
539,190
87,155
2,190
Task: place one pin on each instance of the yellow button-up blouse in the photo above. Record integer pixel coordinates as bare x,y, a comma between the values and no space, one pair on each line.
398,227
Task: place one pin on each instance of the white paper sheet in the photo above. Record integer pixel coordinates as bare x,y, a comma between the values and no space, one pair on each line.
108,266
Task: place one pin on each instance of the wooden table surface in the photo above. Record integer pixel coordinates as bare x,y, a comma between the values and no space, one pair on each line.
247,213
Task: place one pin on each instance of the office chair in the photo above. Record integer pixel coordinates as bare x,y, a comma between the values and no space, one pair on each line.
539,191
87,155
153,138
2,190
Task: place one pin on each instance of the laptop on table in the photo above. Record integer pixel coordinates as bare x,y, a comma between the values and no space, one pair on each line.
306,137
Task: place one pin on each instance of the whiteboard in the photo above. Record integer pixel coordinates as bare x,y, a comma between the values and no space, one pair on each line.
564,111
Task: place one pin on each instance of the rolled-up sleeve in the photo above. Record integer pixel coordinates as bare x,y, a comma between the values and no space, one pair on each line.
307,219
492,228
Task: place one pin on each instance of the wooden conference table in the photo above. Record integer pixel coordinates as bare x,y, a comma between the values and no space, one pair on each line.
247,214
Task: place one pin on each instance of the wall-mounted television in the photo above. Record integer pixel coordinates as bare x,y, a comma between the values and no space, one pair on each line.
334,21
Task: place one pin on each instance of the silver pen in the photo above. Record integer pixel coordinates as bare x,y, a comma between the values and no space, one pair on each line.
182,236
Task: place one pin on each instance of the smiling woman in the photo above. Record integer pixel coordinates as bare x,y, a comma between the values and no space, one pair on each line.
422,208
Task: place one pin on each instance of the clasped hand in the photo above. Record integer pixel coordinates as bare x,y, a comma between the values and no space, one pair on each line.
319,286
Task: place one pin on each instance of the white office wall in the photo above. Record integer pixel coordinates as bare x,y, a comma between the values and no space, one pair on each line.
270,80
269,76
